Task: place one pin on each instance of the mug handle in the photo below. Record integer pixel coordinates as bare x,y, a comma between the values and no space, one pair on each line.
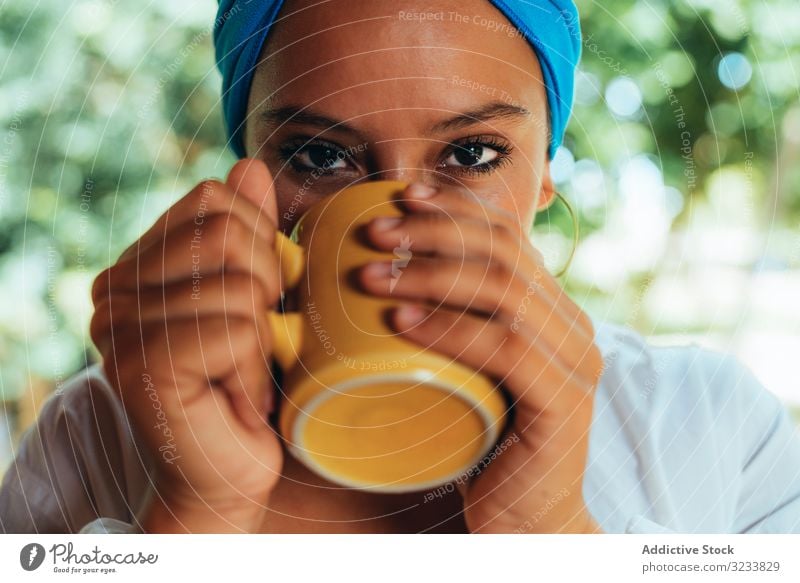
287,327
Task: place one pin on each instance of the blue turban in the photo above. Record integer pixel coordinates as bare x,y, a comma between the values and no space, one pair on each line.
550,26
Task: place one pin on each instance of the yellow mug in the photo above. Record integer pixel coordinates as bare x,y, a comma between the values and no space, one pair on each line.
362,406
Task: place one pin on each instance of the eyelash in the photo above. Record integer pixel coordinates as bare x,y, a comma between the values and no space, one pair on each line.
502,148
289,151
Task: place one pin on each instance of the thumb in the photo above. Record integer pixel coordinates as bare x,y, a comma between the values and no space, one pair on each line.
251,179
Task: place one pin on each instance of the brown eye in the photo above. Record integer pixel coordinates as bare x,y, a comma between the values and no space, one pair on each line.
319,157
476,155
471,155
322,156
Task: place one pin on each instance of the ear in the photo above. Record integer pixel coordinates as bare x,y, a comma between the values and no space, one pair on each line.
548,192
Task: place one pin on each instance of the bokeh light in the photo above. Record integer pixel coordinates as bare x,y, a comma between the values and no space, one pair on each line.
624,97
734,71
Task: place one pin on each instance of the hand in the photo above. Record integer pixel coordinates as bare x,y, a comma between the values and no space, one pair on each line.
180,322
476,290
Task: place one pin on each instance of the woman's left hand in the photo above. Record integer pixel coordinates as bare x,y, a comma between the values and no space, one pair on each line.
498,310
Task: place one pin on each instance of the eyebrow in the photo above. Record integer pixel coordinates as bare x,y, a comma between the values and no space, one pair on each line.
493,111
296,115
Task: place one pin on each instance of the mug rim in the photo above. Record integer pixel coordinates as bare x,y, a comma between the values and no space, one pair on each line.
491,434
294,233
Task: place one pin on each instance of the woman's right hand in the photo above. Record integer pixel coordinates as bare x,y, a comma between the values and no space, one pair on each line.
180,322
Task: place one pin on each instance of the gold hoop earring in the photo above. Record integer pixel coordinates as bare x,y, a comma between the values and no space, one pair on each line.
575,233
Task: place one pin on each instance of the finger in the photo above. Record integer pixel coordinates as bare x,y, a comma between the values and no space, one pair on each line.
222,243
472,285
234,294
207,198
229,353
440,235
485,287
253,401
448,236
251,179
537,378
459,202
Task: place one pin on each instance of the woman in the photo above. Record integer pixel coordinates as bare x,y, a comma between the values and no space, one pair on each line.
467,101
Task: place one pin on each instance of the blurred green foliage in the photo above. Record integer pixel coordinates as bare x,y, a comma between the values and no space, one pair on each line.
110,112
696,151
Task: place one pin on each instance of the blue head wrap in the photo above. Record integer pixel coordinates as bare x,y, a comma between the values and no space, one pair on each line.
550,26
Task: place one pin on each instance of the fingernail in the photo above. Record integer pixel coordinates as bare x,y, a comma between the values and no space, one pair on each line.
386,223
408,315
420,190
378,269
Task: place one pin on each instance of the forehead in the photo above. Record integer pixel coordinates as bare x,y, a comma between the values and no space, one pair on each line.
357,57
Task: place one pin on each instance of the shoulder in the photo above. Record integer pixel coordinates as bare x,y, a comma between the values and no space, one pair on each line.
704,397
686,396
697,442
84,410
675,375
79,460
706,390
82,399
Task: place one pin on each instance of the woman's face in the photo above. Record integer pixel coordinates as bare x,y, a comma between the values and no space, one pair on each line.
444,92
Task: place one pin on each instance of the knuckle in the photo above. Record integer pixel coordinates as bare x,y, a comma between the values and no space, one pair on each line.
215,230
241,235
435,280
169,345
98,328
502,235
121,360
223,231
243,289
248,330
100,286
429,222
426,220
153,339
111,313
238,232
204,198
244,338
235,285
499,273
207,188
505,228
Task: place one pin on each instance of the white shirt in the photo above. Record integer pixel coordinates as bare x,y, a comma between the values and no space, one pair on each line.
683,440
